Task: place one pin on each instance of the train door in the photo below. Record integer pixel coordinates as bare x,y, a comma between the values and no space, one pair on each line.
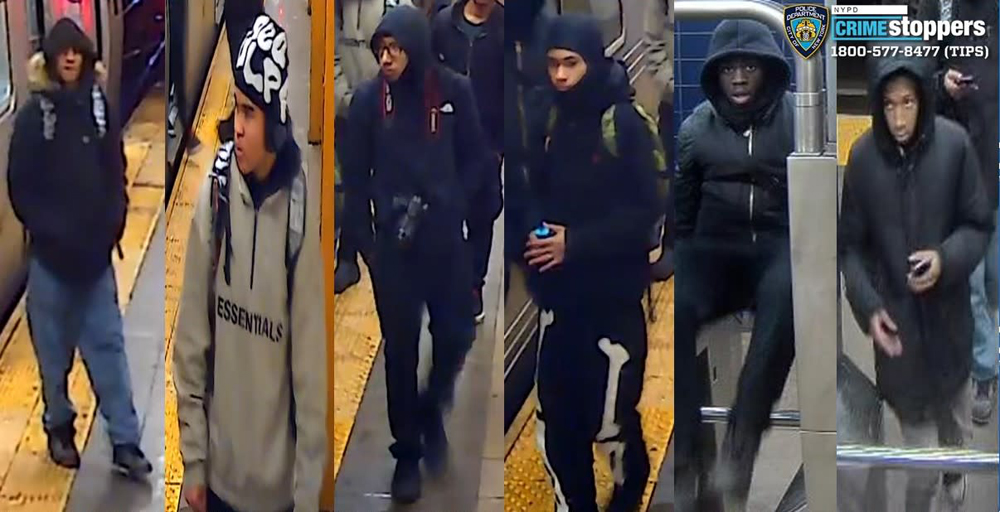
101,20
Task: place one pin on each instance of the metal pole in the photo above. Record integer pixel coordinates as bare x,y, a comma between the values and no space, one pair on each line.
809,126
936,459
779,419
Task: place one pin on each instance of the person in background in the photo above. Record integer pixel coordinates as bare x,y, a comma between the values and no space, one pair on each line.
66,179
468,38
967,92
914,224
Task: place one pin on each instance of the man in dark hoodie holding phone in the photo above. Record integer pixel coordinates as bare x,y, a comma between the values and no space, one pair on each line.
914,223
733,249
590,267
66,178
416,127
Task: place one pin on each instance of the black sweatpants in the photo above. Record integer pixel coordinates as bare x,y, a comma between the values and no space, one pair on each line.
715,278
403,284
590,373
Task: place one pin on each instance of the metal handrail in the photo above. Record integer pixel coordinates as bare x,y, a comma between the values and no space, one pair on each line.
937,459
779,419
809,125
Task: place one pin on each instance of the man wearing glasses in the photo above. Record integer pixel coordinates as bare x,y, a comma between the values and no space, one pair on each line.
416,127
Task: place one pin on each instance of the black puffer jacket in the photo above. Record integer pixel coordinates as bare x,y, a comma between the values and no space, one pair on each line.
895,202
732,174
67,185
608,204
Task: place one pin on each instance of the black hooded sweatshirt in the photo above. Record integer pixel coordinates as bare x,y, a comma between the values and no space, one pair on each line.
420,136
608,204
896,201
732,172
67,186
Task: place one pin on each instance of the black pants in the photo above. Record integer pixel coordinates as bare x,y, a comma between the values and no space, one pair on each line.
590,374
403,283
484,209
715,278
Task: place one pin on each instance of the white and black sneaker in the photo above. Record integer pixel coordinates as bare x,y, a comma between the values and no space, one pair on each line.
130,461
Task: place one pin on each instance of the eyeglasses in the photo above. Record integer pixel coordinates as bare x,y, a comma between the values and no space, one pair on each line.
392,48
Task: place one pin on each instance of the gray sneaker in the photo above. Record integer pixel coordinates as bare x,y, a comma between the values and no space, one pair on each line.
984,401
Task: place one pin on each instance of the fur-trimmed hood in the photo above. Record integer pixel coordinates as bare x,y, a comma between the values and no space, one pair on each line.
39,79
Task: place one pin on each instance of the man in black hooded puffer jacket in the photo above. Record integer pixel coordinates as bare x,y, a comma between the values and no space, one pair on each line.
914,223
589,276
732,250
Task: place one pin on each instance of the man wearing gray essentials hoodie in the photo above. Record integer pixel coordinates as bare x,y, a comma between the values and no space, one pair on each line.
250,342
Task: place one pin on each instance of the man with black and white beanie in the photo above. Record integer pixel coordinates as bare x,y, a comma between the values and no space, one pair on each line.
251,373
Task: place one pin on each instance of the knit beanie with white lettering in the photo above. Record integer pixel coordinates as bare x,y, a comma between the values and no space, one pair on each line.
260,70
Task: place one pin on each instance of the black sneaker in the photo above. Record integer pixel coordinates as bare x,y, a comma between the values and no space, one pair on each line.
984,401
435,445
406,482
62,446
129,460
477,306
345,276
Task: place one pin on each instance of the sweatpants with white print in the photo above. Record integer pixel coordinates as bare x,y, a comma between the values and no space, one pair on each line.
590,374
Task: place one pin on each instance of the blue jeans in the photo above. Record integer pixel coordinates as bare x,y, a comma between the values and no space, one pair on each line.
985,341
62,317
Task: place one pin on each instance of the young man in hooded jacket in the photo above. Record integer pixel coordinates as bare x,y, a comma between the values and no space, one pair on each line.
732,249
416,127
590,274
250,339
66,178
468,38
914,223
354,64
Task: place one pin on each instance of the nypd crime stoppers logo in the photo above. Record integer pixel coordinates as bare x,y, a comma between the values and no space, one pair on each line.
806,27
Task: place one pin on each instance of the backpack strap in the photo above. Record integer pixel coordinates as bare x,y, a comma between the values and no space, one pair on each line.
294,235
221,228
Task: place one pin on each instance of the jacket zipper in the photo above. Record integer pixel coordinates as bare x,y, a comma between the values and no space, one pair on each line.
253,252
753,231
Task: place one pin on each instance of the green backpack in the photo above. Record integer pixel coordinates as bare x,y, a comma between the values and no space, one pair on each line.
609,134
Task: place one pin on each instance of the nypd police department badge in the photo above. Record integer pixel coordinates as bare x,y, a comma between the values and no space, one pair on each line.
806,27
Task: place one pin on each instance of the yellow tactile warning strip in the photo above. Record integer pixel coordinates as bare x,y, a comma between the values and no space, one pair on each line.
28,481
849,128
357,343
216,104
526,484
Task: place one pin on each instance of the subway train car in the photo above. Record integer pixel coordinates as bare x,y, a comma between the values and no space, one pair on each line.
622,23
192,41
128,39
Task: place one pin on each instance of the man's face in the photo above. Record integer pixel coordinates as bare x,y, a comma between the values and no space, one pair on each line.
69,65
392,58
566,69
901,105
740,79
249,130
